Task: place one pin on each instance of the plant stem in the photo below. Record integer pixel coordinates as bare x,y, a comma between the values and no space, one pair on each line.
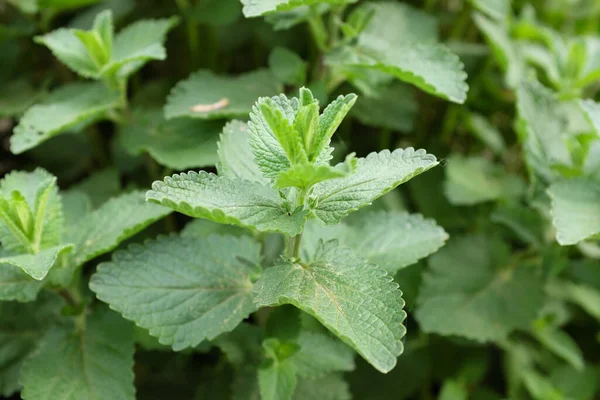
294,242
192,31
318,29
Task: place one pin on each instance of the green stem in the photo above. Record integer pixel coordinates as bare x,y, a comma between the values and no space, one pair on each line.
294,242
318,29
192,31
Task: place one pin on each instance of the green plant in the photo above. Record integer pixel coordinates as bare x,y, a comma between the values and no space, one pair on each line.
303,261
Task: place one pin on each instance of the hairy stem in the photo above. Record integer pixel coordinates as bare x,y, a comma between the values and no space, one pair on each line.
294,242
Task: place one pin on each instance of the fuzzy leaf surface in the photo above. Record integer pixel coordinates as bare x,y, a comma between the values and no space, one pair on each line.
375,175
391,240
206,290
394,43
256,8
227,201
469,291
94,364
236,159
116,220
355,300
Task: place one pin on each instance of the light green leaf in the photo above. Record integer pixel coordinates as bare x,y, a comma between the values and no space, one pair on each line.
207,96
205,291
375,175
26,6
269,154
287,66
21,326
228,201
71,51
16,285
398,41
329,387
472,180
575,210
38,265
526,222
560,343
256,8
30,212
177,143
543,132
236,159
137,44
329,121
67,108
470,291
394,108
277,380
116,220
453,390
583,295
392,240
94,363
320,355
334,288
85,19
306,175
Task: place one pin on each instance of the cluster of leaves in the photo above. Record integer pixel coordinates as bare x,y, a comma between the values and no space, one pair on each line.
261,273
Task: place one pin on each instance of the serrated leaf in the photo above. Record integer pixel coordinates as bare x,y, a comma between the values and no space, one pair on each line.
21,326
306,175
394,107
355,300
206,290
329,121
388,44
71,51
575,210
320,355
33,219
236,159
392,240
206,95
137,44
329,387
269,154
472,180
256,8
95,363
116,220
375,175
38,265
179,143
227,201
66,108
543,132
16,285
469,291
